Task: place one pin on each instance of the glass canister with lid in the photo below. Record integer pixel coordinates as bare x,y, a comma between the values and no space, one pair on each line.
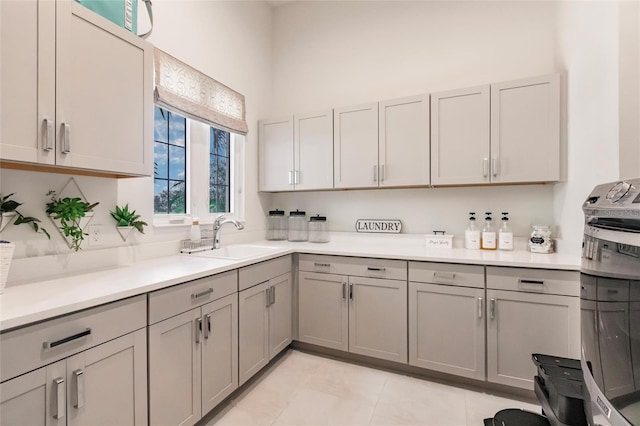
276,225
318,229
298,226
540,240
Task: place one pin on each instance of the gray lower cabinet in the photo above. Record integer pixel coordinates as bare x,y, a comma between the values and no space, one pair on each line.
192,355
92,376
520,324
265,325
361,309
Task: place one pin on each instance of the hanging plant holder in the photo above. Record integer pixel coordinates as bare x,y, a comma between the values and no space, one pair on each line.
6,219
72,190
124,231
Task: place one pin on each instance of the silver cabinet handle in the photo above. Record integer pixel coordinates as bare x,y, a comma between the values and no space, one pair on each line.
444,276
536,282
350,291
344,290
206,292
322,265
382,173
66,143
51,345
485,167
207,326
494,166
268,295
198,329
480,307
47,135
78,396
296,177
290,177
59,403
492,308
375,269
375,173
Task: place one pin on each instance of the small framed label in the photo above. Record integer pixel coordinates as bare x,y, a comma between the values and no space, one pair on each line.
379,226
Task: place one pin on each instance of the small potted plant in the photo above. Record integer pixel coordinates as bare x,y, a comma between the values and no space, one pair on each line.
126,221
72,212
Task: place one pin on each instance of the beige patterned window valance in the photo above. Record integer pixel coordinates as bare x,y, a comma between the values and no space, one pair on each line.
188,91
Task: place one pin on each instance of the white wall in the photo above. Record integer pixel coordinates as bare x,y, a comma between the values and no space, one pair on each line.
228,40
587,52
331,54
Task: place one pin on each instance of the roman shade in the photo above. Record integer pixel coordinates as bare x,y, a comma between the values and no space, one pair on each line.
187,91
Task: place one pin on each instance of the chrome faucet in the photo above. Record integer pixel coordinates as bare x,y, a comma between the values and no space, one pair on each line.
217,224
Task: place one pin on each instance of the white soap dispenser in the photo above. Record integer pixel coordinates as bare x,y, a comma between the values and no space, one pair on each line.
505,236
472,234
488,240
195,235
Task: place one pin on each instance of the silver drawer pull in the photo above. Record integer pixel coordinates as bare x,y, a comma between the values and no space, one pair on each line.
207,326
375,269
206,292
536,282
78,396
612,291
480,307
273,296
51,345
446,276
198,328
492,308
48,135
344,290
322,265
66,143
59,404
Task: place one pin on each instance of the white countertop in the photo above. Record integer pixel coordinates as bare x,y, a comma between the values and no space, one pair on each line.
28,303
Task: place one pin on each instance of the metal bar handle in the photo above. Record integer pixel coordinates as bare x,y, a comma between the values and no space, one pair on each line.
273,295
344,290
66,143
375,269
322,265
485,167
51,345
449,276
480,305
198,329
375,173
59,405
207,326
206,292
78,396
48,135
290,177
350,291
268,295
494,166
382,173
296,177
492,308
536,282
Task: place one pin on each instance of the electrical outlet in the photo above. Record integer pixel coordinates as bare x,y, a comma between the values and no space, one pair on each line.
95,235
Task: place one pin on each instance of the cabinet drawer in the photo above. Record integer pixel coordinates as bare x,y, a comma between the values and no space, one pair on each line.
178,299
447,273
534,280
263,271
34,346
354,266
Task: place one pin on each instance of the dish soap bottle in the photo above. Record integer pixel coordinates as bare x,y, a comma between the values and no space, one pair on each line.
488,240
472,234
505,236
195,230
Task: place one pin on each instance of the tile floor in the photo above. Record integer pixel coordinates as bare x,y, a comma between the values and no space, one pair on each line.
304,389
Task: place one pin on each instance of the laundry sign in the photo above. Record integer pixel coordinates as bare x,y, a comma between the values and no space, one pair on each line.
383,226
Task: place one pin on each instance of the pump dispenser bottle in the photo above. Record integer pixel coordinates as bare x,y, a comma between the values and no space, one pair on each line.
505,236
472,234
488,240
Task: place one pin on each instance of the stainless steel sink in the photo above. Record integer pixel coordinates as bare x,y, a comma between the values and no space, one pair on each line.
237,252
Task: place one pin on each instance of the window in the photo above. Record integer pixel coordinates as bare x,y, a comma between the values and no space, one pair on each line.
186,152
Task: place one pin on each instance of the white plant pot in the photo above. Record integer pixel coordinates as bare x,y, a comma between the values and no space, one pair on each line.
124,231
6,219
6,254
84,221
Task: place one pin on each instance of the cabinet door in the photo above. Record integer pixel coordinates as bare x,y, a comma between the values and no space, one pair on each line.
520,324
35,398
313,151
355,146
615,348
275,142
174,370
27,80
280,317
104,94
253,331
446,329
404,141
219,351
460,136
107,385
378,318
323,311
525,130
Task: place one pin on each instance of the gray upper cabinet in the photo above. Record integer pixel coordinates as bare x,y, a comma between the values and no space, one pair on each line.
70,58
275,142
313,151
525,130
355,146
403,151
460,136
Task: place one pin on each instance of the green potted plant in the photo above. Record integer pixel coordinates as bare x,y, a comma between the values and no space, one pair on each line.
72,212
126,221
9,213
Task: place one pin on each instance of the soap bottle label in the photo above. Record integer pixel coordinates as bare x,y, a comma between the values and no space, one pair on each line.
505,241
489,240
472,240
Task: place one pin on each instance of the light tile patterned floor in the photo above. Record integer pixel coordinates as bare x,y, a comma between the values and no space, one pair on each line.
304,389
